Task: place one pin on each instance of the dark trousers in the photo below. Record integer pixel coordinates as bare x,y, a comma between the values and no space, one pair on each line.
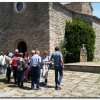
8,74
20,77
15,73
58,70
35,76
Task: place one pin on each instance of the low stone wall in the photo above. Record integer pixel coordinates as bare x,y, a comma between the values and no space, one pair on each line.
82,68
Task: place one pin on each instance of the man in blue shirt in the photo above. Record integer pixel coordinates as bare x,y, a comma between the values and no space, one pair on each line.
57,58
35,69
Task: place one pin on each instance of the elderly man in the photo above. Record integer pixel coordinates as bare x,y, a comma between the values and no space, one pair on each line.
35,69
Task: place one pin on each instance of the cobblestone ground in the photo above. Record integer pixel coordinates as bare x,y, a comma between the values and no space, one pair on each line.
74,84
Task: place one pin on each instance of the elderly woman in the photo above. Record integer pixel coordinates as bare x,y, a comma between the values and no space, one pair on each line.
45,63
20,70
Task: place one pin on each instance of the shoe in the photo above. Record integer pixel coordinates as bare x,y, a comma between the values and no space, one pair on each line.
15,82
32,88
38,88
57,87
45,84
21,86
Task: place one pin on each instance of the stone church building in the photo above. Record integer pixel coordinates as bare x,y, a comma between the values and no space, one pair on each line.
31,25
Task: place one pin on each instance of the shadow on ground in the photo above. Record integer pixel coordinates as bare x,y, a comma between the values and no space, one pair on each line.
48,86
5,82
14,86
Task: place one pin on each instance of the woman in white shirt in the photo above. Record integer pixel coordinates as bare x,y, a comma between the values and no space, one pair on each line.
45,65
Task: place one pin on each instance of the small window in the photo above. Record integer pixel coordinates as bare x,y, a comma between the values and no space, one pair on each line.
19,7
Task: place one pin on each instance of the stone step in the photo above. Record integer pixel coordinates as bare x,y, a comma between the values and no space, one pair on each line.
83,67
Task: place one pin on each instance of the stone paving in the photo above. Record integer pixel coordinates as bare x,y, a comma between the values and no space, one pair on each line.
74,84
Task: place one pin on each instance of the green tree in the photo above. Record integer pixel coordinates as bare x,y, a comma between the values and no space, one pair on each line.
78,32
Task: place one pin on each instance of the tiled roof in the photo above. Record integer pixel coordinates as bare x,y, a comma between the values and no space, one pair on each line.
71,3
67,9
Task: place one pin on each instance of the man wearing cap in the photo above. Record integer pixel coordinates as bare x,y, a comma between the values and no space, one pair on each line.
35,61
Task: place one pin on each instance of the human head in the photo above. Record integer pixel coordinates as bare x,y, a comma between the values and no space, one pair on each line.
10,54
16,50
45,53
2,53
56,49
37,52
20,54
33,52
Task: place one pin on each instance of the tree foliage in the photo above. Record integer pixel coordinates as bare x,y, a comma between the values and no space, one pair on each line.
78,32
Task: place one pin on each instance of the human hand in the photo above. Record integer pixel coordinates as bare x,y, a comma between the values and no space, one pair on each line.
52,67
63,66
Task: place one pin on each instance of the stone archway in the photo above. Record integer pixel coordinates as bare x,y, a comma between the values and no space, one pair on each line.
22,47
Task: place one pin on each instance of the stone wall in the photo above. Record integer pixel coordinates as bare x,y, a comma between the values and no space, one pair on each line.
40,25
86,8
31,26
95,22
58,17
75,6
96,26
82,7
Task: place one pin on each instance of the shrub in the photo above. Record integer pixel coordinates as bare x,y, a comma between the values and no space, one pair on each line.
78,32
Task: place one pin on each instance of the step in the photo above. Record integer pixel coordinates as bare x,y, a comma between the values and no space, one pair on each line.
83,67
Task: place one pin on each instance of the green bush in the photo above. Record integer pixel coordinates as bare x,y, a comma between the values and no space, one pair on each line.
78,32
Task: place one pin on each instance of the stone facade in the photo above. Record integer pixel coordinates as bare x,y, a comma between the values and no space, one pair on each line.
83,7
58,17
40,25
30,26
96,26
59,14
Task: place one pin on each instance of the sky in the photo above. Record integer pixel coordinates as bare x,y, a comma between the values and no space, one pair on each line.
96,8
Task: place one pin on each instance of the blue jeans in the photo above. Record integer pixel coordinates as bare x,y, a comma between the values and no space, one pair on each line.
58,70
35,77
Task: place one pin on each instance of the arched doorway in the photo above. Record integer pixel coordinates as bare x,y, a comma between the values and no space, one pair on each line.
22,47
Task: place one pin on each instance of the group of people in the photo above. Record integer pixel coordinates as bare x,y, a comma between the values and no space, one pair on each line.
32,66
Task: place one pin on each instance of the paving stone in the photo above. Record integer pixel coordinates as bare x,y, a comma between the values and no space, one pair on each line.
76,94
74,84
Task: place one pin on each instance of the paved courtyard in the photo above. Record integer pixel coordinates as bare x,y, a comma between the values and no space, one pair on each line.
74,84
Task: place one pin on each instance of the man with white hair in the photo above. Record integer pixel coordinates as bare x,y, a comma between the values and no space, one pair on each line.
35,69
16,50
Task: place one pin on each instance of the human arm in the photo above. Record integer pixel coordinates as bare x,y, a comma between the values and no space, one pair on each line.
62,60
